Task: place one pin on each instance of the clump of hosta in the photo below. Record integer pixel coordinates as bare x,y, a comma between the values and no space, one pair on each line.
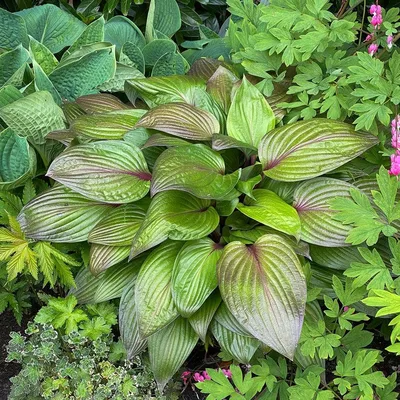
201,212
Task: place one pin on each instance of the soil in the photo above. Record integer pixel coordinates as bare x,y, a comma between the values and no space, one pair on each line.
8,370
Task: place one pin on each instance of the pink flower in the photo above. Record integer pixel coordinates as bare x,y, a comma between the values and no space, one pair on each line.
376,20
227,373
185,376
206,376
375,9
395,166
389,41
372,49
198,377
369,37
345,308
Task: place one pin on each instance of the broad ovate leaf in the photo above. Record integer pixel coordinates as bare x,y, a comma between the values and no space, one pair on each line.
306,149
86,286
224,317
42,55
103,257
100,103
269,209
12,30
61,215
264,287
250,117
194,275
108,171
312,202
195,169
181,119
153,297
11,63
164,16
175,215
169,348
335,257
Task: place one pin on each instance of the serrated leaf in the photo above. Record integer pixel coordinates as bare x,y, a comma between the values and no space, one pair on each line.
271,301
306,149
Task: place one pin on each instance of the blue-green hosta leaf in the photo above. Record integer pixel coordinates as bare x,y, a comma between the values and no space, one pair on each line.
271,301
52,26
335,257
42,55
108,125
201,319
119,227
10,63
103,257
169,348
12,30
312,202
154,50
240,348
269,209
119,30
170,64
33,116
307,149
122,73
177,216
17,160
153,297
194,275
101,103
42,82
108,171
164,16
224,317
131,55
84,70
61,215
9,94
195,169
129,324
250,117
181,119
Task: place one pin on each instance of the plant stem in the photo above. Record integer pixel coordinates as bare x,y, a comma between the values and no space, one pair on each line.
362,22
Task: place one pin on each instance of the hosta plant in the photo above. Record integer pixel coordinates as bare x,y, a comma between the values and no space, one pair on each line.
201,215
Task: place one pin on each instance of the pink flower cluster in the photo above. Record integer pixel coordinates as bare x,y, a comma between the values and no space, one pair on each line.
376,12
395,158
202,376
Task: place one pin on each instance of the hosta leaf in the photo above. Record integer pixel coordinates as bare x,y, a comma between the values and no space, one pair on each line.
169,348
195,169
181,119
175,215
154,50
86,286
161,139
42,82
170,64
119,30
164,16
154,304
205,68
194,275
269,209
52,26
224,317
12,30
17,160
103,257
335,257
33,116
202,318
131,55
84,70
128,323
223,142
119,227
10,62
271,301
307,149
109,171
9,94
117,82
110,125
250,117
240,348
60,215
312,202
43,56
100,103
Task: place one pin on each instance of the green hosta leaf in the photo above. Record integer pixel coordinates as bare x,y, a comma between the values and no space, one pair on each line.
269,209
120,30
312,202
181,119
52,26
175,215
9,94
153,297
307,149
169,348
131,55
164,16
271,300
42,82
33,116
161,139
109,171
43,56
224,317
240,348
10,62
223,142
194,275
119,227
129,324
103,257
101,103
110,125
85,69
86,286
202,318
117,83
170,64
12,30
335,257
195,169
250,116
205,68
60,215
17,160
154,50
